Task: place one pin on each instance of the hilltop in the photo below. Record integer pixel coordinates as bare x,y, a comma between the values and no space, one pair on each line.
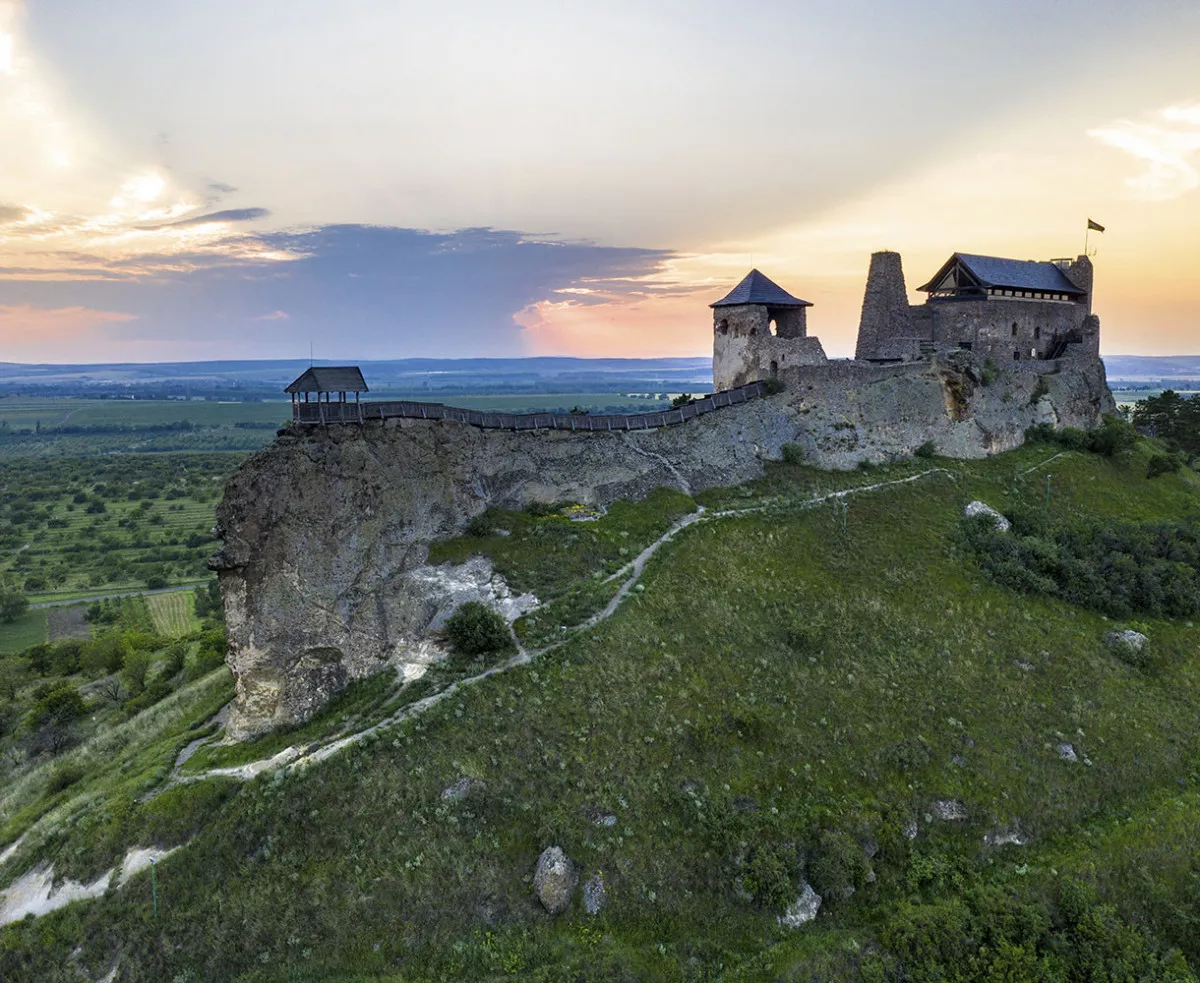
790,693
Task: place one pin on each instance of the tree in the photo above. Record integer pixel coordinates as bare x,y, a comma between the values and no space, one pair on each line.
56,704
13,604
134,669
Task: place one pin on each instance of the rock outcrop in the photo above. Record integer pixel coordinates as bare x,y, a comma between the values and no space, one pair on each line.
554,880
326,531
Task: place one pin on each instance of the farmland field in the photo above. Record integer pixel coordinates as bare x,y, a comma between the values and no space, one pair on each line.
173,614
29,629
74,526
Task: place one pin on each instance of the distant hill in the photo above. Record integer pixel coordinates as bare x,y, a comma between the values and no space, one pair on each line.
445,376
1151,368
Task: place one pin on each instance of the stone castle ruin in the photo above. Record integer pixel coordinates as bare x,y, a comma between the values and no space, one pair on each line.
324,565
1005,310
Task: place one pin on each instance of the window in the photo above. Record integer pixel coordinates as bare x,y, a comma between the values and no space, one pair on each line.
772,327
723,325
774,369
1016,356
1037,332
1014,329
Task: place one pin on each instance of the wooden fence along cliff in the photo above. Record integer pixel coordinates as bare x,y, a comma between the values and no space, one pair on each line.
347,412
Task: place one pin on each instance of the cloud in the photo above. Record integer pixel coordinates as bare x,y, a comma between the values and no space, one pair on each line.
12,213
228,215
1165,146
357,291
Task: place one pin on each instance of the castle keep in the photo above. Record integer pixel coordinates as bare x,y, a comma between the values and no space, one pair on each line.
1005,310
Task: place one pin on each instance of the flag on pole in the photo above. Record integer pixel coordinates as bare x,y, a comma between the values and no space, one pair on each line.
1095,226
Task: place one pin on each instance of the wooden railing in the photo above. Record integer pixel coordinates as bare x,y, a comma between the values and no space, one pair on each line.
325,413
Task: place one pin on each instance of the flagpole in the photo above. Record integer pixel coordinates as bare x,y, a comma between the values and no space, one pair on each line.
1085,238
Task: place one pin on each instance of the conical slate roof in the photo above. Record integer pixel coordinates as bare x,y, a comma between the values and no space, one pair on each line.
758,289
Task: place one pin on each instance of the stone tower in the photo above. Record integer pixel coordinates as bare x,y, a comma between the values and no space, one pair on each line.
885,305
1080,272
760,331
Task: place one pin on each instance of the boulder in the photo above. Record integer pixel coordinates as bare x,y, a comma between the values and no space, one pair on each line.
804,909
462,788
554,880
594,894
949,810
1127,639
979,508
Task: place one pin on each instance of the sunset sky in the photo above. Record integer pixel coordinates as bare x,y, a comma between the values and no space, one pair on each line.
237,178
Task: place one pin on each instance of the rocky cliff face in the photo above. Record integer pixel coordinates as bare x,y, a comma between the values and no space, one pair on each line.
326,530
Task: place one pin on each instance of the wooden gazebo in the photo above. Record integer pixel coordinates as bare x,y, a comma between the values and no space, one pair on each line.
324,381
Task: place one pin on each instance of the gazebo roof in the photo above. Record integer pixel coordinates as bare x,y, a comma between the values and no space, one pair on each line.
330,379
758,289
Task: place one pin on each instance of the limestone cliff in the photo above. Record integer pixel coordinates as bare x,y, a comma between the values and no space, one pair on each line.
326,530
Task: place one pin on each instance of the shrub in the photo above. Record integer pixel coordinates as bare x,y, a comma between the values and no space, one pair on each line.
683,399
176,658
156,582
1114,567
792,454
927,449
773,385
63,777
479,526
1040,389
770,876
990,373
1160,464
476,629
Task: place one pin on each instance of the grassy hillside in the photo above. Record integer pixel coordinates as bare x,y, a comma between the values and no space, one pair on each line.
795,693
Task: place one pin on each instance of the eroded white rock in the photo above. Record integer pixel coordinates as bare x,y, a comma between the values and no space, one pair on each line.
979,508
803,910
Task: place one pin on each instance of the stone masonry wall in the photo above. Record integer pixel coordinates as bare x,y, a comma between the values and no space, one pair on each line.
745,350
326,531
885,310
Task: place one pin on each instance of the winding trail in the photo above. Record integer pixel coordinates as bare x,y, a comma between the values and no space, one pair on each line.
299,757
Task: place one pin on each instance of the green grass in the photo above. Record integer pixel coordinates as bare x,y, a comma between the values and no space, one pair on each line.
29,629
781,691
173,614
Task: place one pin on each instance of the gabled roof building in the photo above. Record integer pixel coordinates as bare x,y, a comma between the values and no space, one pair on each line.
1008,310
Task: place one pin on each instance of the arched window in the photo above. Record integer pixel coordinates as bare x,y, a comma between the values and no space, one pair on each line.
723,325
1016,356
753,332
1037,333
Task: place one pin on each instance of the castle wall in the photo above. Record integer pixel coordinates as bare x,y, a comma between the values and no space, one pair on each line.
326,531
1005,330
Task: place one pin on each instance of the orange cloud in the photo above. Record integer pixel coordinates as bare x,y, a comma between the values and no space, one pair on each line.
25,331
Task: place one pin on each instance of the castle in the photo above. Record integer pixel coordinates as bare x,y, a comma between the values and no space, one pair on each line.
326,532
1005,310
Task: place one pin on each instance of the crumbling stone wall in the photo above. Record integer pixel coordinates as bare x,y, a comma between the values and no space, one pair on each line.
745,349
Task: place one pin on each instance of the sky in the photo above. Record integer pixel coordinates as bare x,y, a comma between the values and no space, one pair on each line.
384,179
